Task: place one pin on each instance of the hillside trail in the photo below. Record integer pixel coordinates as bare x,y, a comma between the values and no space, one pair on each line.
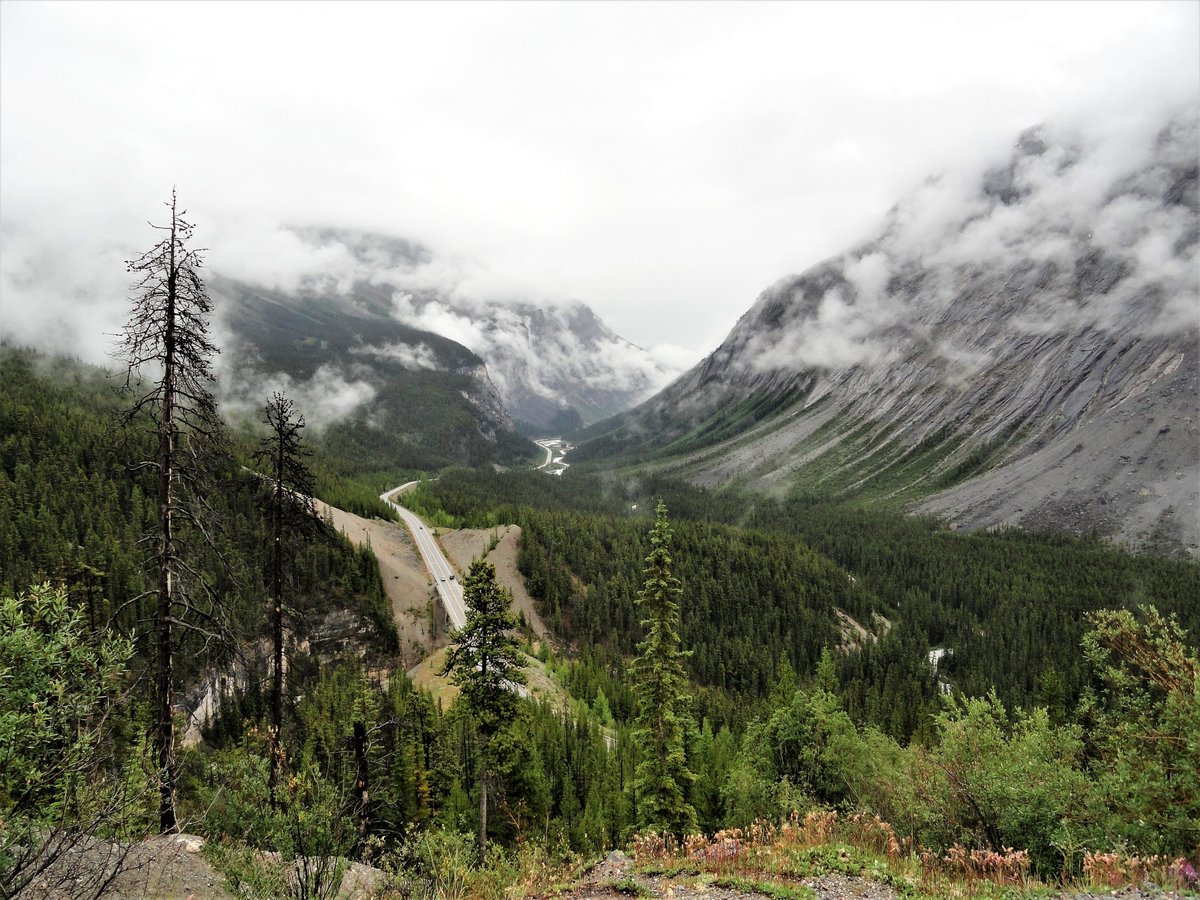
614,878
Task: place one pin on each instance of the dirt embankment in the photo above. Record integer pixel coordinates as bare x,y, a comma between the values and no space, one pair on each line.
415,608
468,544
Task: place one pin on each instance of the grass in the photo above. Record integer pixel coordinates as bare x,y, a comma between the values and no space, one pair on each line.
772,860
767,888
630,886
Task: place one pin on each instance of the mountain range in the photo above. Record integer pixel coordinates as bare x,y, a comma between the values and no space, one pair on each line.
368,307
1016,345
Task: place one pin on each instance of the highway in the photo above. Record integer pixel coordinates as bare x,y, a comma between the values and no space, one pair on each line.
443,574
445,579
554,465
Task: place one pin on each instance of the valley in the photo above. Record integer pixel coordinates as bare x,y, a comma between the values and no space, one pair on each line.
997,360
892,594
556,451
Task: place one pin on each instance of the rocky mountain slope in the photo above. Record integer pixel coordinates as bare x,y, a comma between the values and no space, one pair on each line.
555,366
1016,346
382,394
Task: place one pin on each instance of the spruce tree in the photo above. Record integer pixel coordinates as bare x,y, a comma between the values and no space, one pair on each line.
662,776
483,660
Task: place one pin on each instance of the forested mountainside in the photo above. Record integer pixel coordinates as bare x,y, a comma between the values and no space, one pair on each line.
397,307
75,514
75,589
811,689
385,396
769,582
1017,345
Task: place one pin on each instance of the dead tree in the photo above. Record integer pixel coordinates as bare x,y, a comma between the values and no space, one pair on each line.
167,351
362,794
280,458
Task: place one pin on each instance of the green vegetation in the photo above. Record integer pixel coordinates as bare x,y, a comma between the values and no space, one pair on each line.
64,689
663,776
815,747
484,662
764,587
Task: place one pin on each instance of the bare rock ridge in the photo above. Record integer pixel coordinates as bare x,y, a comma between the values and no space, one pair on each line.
1016,346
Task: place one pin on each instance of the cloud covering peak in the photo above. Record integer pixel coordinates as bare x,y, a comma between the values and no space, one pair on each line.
659,162
1075,228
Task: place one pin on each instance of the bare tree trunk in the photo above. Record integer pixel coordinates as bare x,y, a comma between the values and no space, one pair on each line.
277,631
168,330
165,732
482,816
362,801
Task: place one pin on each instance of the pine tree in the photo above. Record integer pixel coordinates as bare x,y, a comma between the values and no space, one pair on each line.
167,332
662,775
484,662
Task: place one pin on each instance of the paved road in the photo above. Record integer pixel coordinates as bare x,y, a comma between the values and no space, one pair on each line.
554,464
445,579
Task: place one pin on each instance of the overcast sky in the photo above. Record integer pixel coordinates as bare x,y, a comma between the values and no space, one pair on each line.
661,162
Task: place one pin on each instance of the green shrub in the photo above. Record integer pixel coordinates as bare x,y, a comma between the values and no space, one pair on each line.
997,781
63,779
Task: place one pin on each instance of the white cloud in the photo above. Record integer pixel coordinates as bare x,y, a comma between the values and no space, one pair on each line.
410,356
330,396
661,162
1092,194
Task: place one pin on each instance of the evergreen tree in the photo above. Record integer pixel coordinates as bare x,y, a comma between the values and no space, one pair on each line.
663,777
484,662
167,332
1143,729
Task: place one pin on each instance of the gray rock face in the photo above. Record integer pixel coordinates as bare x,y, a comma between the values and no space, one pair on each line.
558,360
1017,346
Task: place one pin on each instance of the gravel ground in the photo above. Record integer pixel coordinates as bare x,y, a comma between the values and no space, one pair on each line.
602,881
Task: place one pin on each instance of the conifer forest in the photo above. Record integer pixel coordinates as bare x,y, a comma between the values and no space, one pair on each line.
746,689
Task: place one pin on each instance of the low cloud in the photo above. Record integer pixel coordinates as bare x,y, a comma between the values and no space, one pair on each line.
410,356
63,299
548,351
330,396
1080,226
533,348
441,319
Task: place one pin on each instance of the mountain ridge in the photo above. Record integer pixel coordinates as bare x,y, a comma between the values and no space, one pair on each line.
389,395
556,365
1002,322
